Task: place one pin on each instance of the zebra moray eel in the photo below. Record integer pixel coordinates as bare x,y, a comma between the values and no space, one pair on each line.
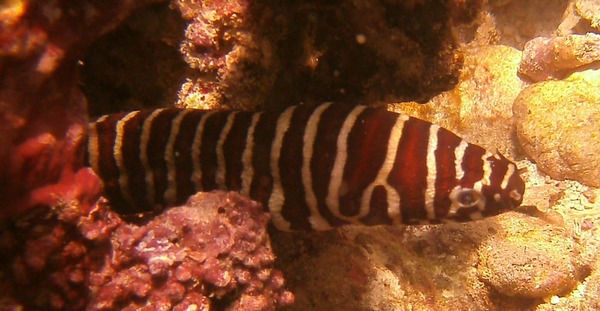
313,168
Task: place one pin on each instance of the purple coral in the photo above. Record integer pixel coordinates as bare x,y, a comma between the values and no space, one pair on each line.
555,58
47,254
213,251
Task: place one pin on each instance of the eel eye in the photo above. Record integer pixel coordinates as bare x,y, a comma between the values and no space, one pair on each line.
467,197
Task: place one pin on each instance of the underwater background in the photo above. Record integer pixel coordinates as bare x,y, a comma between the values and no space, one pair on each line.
520,77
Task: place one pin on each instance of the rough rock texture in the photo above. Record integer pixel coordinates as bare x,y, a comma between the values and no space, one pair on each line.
591,299
580,217
270,54
514,22
430,267
211,253
590,11
47,254
386,268
558,125
545,58
534,269
580,17
479,108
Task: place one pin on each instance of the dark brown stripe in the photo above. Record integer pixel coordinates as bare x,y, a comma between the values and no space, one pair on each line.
324,153
183,155
367,149
233,148
408,175
295,209
212,130
472,165
378,208
130,150
262,181
157,142
106,139
108,169
446,171
499,168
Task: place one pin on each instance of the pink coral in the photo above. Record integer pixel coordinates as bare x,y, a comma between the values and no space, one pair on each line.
42,112
47,254
213,251
214,246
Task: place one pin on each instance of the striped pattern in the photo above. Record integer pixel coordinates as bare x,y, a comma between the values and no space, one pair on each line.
313,168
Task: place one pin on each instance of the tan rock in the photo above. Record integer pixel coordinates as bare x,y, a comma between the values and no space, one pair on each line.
591,297
589,10
385,268
558,126
528,263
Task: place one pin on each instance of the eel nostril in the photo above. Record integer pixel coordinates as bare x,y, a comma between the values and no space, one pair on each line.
515,195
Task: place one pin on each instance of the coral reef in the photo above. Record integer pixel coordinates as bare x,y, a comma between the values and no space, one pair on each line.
212,252
62,246
47,254
137,65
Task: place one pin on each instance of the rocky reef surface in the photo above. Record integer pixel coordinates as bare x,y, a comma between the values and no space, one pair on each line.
518,76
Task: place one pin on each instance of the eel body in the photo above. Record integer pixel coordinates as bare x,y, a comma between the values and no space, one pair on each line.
312,168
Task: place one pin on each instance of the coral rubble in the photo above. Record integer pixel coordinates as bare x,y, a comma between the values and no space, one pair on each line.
479,108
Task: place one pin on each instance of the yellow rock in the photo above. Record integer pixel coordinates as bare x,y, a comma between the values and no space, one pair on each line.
558,126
